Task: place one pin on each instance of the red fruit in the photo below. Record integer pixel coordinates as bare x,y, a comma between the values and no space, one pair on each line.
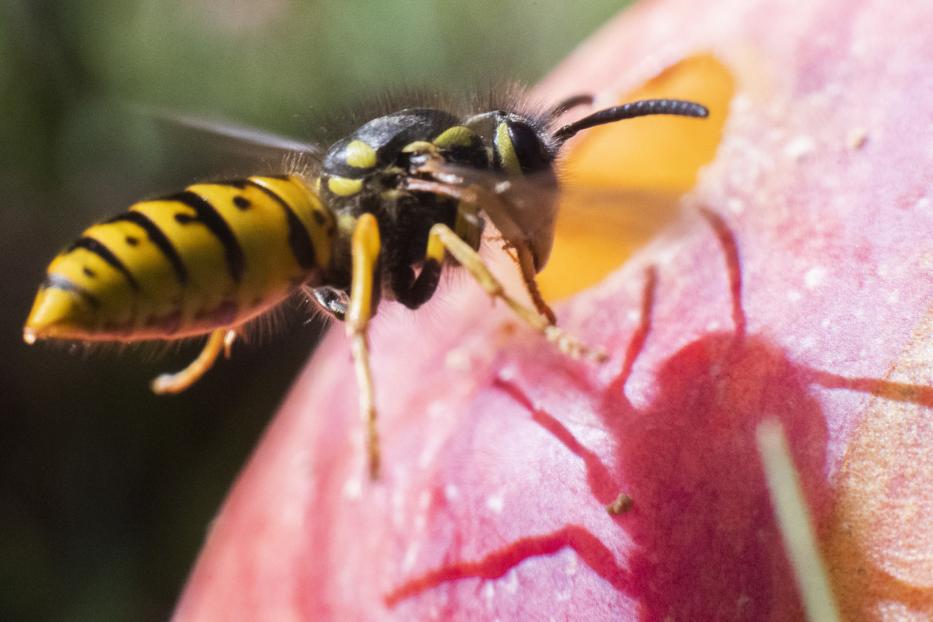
800,291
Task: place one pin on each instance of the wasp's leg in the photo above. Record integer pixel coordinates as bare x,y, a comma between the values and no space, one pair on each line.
332,300
365,252
229,338
414,291
493,203
527,265
217,341
443,237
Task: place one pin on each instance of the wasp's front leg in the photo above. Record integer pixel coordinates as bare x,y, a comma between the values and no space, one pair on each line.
365,281
444,238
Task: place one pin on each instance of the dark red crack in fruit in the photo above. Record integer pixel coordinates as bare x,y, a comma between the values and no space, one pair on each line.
794,285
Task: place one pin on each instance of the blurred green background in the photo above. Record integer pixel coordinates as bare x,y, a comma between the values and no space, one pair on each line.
106,490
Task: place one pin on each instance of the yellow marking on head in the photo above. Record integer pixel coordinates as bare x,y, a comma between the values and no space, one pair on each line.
344,186
507,156
456,136
421,146
360,155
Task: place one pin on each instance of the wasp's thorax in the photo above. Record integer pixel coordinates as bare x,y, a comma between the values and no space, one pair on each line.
366,172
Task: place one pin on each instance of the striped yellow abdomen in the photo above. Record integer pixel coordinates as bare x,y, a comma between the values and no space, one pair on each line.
212,256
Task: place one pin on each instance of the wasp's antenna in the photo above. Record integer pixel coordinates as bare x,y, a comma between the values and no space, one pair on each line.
641,108
584,99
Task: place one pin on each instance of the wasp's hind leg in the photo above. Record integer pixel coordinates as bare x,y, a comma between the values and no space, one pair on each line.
363,291
218,341
443,237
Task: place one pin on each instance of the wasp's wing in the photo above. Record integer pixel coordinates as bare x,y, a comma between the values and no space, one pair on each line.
234,136
535,209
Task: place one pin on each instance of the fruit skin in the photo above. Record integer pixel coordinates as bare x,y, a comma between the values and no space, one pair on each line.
803,294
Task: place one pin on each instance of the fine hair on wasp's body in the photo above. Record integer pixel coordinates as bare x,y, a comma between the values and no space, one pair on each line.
378,216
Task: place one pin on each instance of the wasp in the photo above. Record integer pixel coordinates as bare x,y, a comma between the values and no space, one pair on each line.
379,214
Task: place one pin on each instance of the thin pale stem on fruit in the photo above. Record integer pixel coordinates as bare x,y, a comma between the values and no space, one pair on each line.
795,523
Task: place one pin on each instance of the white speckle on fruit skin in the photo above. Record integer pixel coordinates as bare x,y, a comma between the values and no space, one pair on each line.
891,610
712,326
572,564
893,298
736,206
495,503
793,295
633,316
814,277
457,360
451,493
353,488
511,581
411,556
507,373
799,147
489,592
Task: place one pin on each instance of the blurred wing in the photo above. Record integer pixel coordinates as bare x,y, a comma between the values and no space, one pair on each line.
593,229
539,207
235,137
599,229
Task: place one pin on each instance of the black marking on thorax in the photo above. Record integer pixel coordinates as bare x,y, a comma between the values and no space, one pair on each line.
387,135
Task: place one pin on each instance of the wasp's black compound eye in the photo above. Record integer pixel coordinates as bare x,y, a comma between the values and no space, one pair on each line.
524,150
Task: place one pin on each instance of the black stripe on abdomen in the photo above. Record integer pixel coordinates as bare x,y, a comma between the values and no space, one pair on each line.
101,250
207,215
299,240
157,237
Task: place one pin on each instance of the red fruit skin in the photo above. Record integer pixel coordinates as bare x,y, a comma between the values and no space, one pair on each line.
801,292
